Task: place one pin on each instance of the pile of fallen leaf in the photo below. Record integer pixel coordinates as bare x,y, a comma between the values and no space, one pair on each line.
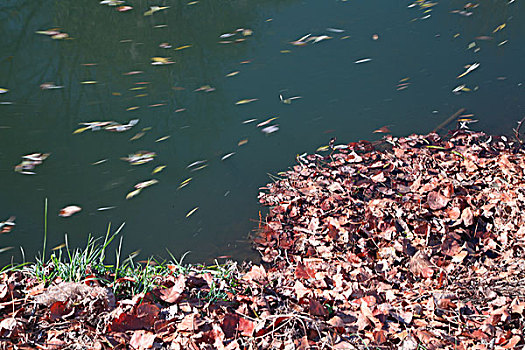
411,243
418,245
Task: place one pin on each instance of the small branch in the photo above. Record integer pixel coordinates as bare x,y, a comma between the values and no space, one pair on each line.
517,131
449,120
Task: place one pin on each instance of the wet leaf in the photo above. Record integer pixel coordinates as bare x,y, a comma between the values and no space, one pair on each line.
69,210
158,169
124,8
182,47
242,102
133,193
192,211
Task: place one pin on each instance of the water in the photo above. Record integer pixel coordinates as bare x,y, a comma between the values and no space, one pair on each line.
338,99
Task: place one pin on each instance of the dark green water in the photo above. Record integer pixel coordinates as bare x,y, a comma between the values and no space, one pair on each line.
338,98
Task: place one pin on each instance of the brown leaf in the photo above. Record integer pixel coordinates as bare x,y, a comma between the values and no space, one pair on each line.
256,274
142,340
188,323
300,290
229,325
246,327
316,308
420,266
173,293
453,213
436,201
467,217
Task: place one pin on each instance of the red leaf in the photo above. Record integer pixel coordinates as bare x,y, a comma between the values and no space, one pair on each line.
512,342
302,271
145,317
58,309
383,129
142,340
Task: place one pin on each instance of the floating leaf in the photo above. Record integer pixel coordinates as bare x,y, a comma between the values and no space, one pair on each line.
232,74
266,122
500,27
137,136
133,193
163,138
154,9
144,184
184,183
158,169
192,211
81,130
161,60
182,47
60,36
383,129
69,210
242,102
124,8
227,156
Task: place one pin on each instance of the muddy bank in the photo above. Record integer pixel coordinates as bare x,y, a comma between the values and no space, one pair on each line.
414,242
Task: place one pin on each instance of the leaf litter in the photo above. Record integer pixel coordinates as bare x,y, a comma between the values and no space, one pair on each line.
403,243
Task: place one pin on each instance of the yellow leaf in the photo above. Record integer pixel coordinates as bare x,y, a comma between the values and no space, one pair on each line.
132,108
80,130
242,102
158,169
500,27
182,47
133,193
232,74
88,82
163,138
137,136
163,60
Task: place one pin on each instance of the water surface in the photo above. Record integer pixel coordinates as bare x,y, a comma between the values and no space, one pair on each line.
425,48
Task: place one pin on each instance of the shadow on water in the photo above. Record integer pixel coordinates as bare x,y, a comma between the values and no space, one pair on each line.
339,98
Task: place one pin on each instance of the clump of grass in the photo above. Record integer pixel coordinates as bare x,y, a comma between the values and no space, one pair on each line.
126,277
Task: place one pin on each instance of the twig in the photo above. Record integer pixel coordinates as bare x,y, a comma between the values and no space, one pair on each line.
449,120
517,131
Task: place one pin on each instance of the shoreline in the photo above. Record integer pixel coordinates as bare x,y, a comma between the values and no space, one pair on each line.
413,242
